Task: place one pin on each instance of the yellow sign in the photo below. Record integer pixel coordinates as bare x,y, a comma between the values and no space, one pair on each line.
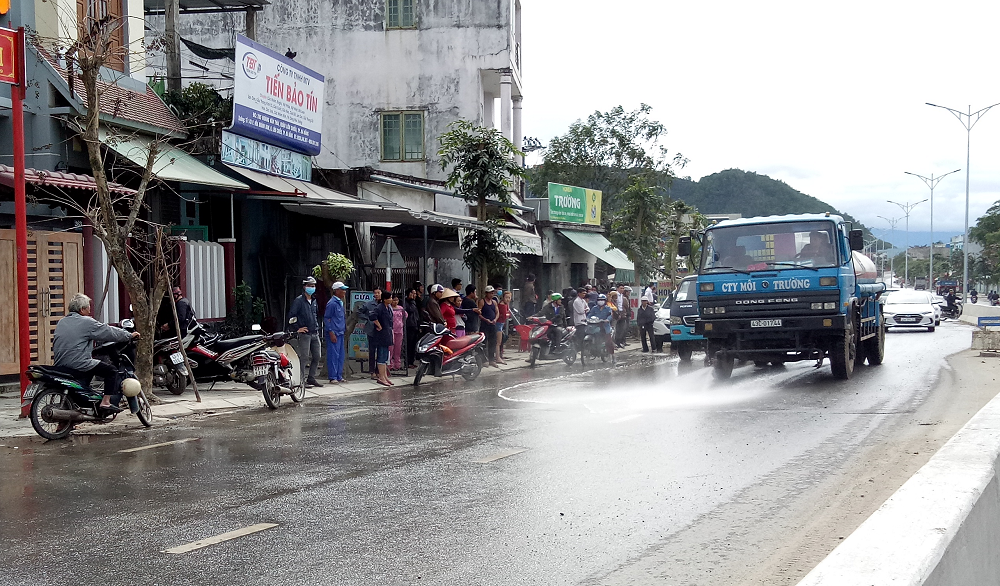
4,6
593,207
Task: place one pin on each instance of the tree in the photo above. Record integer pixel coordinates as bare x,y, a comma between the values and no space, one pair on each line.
483,169
636,226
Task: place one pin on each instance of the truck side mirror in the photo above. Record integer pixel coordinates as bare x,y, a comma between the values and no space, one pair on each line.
684,246
856,239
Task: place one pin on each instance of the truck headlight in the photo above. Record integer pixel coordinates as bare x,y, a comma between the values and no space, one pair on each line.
828,281
815,306
706,286
709,310
675,321
720,310
830,305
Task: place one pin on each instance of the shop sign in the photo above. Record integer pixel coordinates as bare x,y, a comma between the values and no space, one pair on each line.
357,344
252,154
276,100
9,56
576,205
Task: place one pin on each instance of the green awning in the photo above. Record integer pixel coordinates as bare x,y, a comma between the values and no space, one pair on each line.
172,164
599,246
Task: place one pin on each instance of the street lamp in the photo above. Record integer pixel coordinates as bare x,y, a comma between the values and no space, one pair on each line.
933,181
892,234
967,123
907,208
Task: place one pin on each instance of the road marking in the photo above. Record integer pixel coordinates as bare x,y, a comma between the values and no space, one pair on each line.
500,455
151,446
626,418
220,538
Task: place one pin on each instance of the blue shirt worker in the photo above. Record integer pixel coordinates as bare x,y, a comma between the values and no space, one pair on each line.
306,345
603,312
335,322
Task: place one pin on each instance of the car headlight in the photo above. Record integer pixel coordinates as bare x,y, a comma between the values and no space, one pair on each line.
675,321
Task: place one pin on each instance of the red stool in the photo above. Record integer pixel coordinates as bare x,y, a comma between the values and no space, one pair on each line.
523,332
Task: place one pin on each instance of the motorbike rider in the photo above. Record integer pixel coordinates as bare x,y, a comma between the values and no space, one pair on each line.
950,299
579,308
432,307
603,312
73,345
554,312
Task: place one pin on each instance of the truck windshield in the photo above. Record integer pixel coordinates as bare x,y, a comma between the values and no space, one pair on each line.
759,247
685,291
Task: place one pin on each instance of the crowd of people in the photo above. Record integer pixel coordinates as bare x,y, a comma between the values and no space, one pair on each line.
391,321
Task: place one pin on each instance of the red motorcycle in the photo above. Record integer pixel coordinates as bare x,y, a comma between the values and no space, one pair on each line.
442,354
544,348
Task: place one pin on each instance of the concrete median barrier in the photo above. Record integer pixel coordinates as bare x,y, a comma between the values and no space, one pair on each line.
941,528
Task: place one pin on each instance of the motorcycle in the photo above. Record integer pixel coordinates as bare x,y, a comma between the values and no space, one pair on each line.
974,298
466,355
59,400
277,373
169,369
951,312
543,348
594,343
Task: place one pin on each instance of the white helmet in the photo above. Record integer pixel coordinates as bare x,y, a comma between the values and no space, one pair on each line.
131,387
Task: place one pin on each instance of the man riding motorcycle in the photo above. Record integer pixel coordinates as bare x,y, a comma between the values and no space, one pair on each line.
555,313
73,345
950,299
602,311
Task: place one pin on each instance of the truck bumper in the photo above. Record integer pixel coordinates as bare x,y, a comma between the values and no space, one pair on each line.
822,325
798,337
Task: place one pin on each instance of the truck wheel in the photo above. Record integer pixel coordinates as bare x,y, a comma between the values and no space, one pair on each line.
760,363
723,368
876,348
684,352
844,353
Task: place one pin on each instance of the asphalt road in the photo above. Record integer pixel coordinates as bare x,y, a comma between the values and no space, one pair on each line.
651,472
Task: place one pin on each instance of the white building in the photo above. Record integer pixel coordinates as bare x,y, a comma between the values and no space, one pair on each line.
398,72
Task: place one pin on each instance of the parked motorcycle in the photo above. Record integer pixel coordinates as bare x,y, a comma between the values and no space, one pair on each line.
169,369
276,370
59,400
466,357
543,348
595,341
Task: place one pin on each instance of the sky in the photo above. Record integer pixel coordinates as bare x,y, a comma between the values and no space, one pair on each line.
827,97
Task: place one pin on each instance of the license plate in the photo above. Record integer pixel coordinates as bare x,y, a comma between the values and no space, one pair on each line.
765,323
907,320
177,358
261,370
29,393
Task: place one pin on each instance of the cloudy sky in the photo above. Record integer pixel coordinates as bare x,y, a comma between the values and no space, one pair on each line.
829,98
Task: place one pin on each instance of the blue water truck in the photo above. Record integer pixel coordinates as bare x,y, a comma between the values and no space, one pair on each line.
780,289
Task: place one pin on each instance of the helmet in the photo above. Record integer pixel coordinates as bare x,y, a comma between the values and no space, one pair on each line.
448,293
131,387
556,297
602,297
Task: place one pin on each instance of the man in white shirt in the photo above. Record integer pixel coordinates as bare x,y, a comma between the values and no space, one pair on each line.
578,313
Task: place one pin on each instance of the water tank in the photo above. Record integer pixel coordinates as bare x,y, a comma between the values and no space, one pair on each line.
864,268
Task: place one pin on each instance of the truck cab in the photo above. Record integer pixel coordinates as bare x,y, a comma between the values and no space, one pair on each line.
683,314
787,288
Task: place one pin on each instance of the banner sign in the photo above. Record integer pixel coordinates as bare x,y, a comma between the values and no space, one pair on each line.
10,56
357,344
574,204
276,100
252,154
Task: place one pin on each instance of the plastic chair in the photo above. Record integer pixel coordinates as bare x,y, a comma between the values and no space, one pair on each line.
523,332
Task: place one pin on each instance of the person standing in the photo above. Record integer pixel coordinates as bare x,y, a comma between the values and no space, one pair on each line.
529,298
335,326
489,310
624,316
367,312
502,331
307,321
381,317
165,315
398,330
412,308
650,292
469,312
645,317
578,313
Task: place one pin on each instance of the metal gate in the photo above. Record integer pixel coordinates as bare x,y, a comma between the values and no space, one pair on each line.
55,274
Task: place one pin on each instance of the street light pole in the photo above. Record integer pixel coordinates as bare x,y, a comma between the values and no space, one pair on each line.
966,123
907,208
892,234
931,183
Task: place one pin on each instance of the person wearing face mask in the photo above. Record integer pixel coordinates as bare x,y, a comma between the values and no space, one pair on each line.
307,344
604,313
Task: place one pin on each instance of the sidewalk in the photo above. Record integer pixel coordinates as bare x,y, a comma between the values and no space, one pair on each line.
229,396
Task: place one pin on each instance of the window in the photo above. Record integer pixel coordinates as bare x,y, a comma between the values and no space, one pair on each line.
399,14
403,136
96,18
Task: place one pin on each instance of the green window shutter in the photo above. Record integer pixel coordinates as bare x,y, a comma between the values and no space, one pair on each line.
391,135
413,136
406,19
392,13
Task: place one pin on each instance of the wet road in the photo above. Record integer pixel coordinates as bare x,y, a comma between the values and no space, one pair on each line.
646,473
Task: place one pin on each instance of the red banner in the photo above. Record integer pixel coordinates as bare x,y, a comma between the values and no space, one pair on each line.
10,57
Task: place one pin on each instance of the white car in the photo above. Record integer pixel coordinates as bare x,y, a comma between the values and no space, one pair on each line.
661,325
910,309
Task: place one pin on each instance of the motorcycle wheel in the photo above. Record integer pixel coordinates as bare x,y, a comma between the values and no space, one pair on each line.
474,373
271,392
535,350
176,383
298,393
569,357
420,374
145,412
54,430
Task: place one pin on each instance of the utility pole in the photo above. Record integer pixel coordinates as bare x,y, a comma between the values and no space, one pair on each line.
907,208
931,183
892,235
171,14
